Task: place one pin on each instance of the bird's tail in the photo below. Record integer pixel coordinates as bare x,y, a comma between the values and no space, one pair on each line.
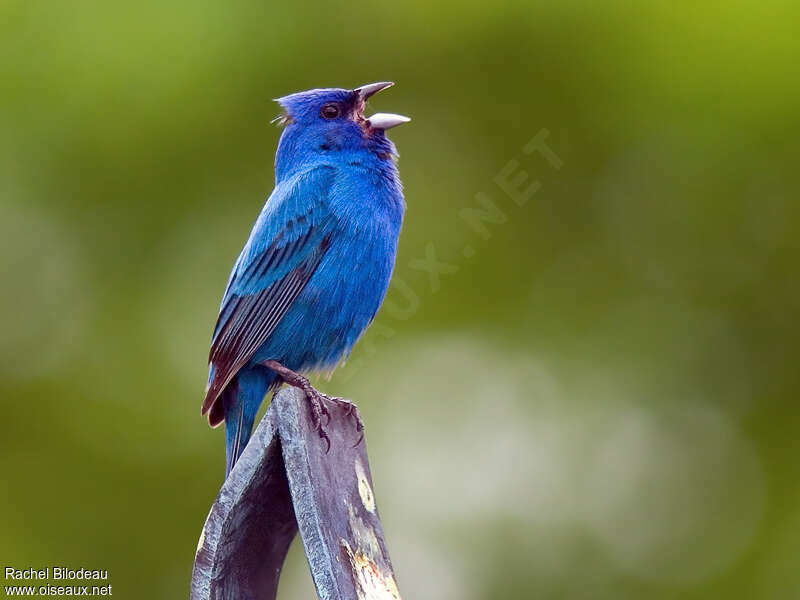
241,400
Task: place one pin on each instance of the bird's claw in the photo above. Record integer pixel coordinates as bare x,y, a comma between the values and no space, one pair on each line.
351,410
325,437
318,411
317,401
318,398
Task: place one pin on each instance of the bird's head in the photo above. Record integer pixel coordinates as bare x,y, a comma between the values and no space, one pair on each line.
323,123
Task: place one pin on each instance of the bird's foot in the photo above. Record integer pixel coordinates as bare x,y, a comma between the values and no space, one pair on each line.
350,410
317,402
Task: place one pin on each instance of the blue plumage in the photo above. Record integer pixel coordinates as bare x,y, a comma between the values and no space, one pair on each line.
317,264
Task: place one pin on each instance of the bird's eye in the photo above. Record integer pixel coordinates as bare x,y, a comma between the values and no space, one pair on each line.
330,111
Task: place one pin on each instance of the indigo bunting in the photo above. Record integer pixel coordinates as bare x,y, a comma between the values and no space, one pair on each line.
318,261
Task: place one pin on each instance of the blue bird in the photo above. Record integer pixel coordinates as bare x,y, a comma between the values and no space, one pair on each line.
318,261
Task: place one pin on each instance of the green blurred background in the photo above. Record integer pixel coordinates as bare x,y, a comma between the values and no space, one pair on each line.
596,400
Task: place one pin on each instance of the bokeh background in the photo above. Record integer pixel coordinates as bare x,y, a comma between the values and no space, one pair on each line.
595,398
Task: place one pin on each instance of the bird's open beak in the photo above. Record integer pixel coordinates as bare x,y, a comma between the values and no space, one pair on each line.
386,120
365,91
379,120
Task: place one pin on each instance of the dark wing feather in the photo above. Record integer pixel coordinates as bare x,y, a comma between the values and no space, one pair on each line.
265,282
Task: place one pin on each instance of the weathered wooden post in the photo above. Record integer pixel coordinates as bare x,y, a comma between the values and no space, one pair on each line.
285,482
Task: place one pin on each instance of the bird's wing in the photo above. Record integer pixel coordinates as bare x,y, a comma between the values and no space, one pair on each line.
287,243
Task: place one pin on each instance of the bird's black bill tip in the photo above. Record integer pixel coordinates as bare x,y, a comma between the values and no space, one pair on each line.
370,89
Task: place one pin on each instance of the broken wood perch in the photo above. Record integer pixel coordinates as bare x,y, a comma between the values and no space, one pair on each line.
284,481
